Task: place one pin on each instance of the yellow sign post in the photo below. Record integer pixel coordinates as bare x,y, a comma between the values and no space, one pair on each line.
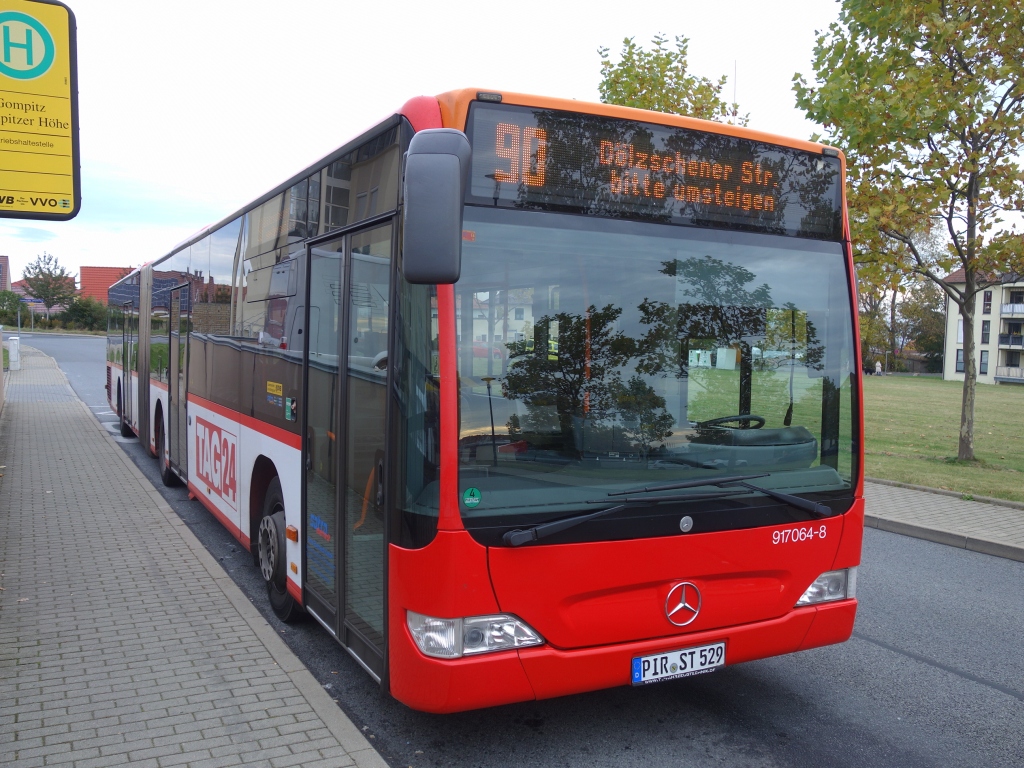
39,168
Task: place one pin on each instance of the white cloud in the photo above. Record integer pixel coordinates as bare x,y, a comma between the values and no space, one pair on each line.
29,234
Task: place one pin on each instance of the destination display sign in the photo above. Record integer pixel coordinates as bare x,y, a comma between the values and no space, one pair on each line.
543,159
39,163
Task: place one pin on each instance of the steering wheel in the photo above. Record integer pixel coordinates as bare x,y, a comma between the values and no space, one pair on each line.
756,422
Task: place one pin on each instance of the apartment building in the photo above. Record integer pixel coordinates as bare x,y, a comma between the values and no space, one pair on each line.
998,332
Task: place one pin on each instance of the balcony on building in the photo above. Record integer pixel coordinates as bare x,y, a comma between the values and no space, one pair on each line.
1009,375
1012,309
1011,340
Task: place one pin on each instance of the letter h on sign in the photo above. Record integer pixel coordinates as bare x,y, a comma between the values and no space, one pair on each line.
26,46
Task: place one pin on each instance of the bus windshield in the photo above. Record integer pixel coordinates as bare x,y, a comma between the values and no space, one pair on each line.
600,355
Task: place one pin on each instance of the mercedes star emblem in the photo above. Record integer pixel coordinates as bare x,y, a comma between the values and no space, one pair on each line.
682,604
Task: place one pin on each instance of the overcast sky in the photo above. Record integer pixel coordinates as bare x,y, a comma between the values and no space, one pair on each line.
190,109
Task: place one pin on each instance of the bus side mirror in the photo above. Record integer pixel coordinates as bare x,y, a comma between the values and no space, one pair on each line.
436,175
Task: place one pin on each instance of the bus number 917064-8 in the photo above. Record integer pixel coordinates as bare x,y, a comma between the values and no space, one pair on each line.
806,533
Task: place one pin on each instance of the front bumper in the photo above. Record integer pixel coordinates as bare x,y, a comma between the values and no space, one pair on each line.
487,680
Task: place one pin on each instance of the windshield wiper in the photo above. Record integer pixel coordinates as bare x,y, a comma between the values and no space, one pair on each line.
517,537
719,482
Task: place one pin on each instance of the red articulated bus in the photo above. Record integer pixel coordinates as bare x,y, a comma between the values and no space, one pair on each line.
521,397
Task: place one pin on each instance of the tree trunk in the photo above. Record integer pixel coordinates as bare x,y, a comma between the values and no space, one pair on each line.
971,276
965,450
892,328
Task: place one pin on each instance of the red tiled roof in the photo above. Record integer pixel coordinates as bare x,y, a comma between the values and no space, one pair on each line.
95,281
955,277
959,276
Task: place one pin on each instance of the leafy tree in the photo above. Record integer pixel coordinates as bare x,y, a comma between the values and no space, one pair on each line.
924,313
658,80
871,295
872,339
10,303
927,98
722,307
574,380
49,282
883,281
86,313
880,288
643,413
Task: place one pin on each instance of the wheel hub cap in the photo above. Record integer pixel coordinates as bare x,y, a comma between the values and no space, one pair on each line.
268,548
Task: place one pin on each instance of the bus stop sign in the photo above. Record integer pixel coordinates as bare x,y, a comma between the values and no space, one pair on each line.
39,163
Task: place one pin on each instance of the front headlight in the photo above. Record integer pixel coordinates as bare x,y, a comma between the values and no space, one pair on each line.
453,638
832,585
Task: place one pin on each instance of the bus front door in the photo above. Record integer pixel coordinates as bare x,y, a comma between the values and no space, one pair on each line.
177,424
346,359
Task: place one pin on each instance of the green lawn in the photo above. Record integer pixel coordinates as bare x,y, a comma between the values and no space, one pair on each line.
911,427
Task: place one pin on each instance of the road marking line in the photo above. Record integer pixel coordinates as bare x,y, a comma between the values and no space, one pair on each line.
939,665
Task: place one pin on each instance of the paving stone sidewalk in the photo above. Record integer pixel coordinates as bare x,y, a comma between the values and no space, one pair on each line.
993,528
122,641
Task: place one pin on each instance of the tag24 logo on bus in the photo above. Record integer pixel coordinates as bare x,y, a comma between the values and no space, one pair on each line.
215,460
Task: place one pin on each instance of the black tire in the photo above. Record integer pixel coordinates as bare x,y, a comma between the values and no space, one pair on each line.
126,429
166,474
270,545
155,450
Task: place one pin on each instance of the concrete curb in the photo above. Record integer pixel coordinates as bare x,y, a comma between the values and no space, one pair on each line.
354,742
943,492
949,538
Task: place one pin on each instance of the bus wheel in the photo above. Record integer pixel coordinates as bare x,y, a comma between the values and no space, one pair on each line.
271,550
166,475
126,428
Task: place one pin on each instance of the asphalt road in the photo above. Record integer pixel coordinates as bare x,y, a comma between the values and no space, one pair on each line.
934,675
